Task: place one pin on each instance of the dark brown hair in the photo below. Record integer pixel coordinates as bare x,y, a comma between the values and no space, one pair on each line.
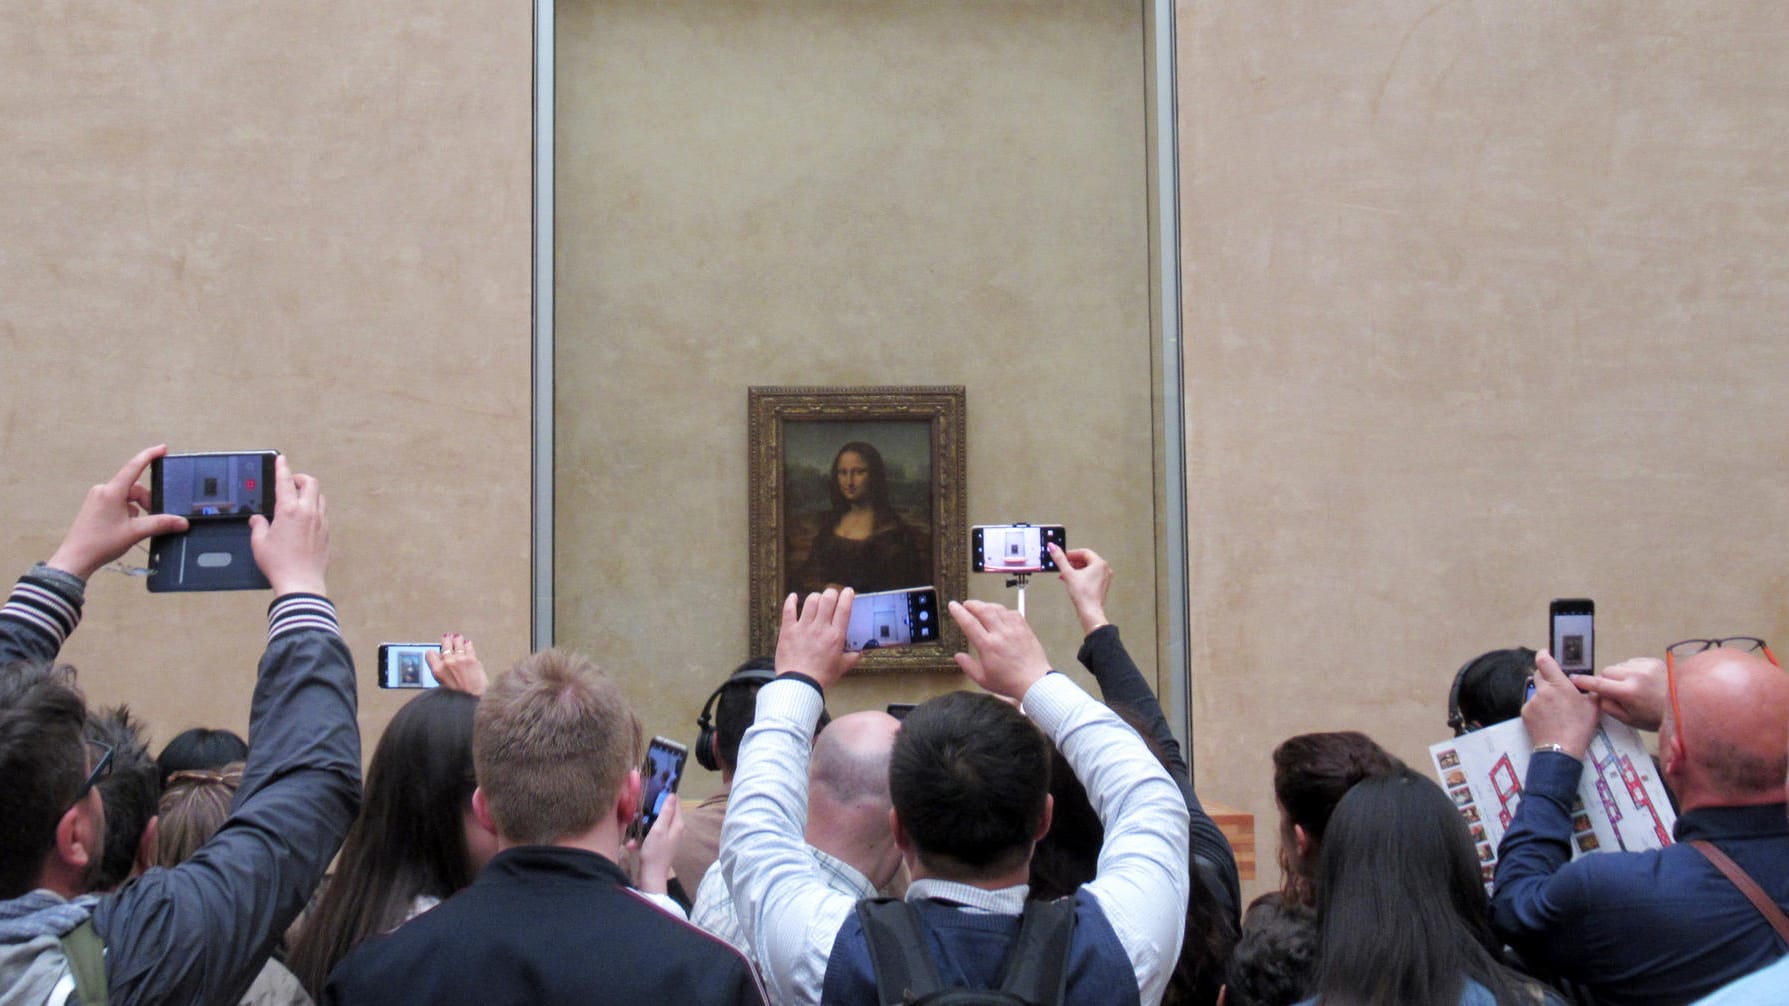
1311,774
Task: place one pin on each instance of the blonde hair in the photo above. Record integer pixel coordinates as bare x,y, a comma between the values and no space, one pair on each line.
193,807
552,743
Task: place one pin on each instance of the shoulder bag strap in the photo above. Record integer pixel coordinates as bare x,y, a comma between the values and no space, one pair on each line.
1747,886
86,963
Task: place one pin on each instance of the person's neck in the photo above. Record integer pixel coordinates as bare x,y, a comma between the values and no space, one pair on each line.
604,840
1687,802
989,882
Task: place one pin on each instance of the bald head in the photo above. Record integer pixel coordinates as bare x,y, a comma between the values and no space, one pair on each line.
848,803
1730,746
850,762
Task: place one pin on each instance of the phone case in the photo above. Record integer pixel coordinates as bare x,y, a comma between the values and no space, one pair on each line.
210,556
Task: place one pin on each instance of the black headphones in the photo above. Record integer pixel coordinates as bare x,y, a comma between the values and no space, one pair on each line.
752,672
1455,718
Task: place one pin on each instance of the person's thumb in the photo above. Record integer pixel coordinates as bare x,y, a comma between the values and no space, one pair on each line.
1547,669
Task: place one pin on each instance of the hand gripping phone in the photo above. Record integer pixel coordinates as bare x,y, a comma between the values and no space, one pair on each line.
659,775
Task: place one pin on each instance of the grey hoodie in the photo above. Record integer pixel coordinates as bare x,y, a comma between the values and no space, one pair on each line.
31,931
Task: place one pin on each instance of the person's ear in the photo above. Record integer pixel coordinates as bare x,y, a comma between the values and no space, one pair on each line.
627,800
902,842
1671,755
74,838
1043,824
481,811
1302,839
146,856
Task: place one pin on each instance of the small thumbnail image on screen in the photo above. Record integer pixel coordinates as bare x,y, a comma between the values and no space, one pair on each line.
218,485
879,620
1017,547
407,668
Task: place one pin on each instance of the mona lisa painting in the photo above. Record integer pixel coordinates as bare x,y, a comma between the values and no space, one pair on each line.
860,488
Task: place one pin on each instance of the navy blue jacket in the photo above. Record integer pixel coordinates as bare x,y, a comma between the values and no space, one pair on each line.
200,932
545,925
1637,927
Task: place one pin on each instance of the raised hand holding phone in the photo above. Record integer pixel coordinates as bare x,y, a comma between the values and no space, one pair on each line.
1008,658
812,638
293,548
112,519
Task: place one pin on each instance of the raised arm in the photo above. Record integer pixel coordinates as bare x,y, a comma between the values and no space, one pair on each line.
1088,577
45,605
1142,882
201,931
1536,899
788,913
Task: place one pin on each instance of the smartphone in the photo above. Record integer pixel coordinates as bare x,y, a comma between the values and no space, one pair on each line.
899,710
1571,629
213,487
1015,548
659,775
893,618
406,665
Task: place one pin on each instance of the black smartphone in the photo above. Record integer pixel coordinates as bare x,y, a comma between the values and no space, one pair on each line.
899,710
217,493
1571,631
893,618
1015,548
659,775
213,487
406,665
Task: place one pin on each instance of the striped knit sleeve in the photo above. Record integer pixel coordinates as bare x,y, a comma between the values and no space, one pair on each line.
45,604
296,612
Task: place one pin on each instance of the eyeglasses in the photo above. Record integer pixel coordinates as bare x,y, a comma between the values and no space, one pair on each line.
102,767
1691,647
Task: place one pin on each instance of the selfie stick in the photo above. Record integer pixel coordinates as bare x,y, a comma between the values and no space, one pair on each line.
1019,580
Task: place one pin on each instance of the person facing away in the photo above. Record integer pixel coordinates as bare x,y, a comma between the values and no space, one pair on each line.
1766,987
551,918
1666,925
1401,905
733,704
191,810
201,931
969,784
416,841
847,821
129,790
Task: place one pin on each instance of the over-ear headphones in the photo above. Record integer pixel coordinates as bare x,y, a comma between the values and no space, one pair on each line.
1455,718
752,672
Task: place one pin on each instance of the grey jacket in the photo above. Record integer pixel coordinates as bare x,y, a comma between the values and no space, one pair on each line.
200,932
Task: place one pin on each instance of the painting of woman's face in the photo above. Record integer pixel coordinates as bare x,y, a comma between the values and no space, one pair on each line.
853,475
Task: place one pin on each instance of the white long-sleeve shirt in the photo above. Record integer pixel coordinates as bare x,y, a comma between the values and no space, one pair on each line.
791,916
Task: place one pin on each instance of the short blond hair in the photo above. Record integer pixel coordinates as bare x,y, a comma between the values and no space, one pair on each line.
552,743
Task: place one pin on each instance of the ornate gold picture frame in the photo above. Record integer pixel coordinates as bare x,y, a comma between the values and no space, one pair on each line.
895,456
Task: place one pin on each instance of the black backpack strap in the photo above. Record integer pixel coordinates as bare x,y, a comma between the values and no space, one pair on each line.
1036,968
904,966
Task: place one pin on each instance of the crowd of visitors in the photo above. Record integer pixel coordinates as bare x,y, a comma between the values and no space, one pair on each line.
1026,842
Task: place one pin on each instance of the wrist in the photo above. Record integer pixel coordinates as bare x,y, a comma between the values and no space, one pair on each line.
1092,616
1555,747
298,585
75,565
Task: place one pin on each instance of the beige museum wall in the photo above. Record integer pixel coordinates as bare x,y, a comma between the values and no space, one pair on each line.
1484,306
840,194
291,225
